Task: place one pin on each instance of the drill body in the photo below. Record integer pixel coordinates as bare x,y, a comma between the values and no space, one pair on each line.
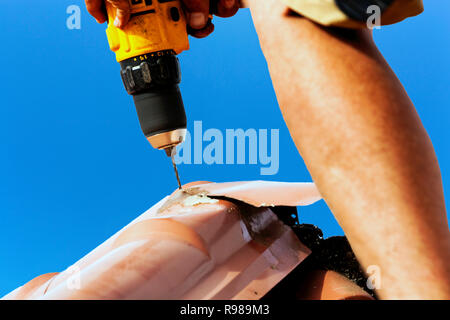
146,49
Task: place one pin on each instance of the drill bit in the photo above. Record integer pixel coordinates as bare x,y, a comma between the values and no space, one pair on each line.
171,151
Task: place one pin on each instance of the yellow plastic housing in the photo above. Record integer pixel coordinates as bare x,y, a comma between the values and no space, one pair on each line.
153,27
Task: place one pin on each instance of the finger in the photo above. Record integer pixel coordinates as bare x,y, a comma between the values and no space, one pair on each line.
197,12
202,33
227,8
123,12
95,8
122,17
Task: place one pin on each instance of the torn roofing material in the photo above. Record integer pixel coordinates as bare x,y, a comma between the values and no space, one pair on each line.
190,246
263,193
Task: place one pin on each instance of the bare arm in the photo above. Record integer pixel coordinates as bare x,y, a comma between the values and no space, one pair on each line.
364,146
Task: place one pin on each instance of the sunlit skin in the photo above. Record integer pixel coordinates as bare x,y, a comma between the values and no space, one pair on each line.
362,141
365,147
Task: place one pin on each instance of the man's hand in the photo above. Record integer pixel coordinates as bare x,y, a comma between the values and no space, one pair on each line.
197,12
97,9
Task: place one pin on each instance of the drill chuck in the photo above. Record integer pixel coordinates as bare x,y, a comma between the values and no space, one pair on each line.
153,80
162,116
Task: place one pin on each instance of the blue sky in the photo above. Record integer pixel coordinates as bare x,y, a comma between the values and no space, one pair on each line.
74,165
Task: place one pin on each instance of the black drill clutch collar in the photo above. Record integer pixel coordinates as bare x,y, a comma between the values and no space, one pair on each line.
147,72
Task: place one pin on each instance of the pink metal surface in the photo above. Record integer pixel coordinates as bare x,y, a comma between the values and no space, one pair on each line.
190,246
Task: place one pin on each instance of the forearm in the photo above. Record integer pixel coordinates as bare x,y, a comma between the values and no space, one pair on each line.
364,146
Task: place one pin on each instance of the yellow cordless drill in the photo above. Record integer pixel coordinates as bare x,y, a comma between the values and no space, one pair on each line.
146,49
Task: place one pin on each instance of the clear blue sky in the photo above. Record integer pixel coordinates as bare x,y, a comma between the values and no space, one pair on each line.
74,165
